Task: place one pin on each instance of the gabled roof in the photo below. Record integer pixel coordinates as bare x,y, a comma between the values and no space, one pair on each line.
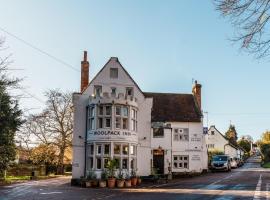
117,60
229,143
169,107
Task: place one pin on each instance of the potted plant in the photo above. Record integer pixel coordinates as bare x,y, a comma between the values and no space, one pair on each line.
103,180
94,181
127,181
120,179
133,177
89,177
111,166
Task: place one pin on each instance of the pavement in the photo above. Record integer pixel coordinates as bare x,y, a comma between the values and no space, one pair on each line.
248,182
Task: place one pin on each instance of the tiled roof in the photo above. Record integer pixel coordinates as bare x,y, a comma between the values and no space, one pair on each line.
168,107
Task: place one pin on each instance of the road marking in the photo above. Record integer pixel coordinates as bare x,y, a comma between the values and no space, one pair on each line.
51,192
257,194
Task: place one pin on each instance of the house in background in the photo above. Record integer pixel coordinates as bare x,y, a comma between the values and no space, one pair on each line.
216,141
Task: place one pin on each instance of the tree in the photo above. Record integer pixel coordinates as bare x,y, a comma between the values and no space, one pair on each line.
53,127
231,134
10,117
245,144
265,137
250,19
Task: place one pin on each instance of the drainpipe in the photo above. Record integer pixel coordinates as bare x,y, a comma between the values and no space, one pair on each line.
85,140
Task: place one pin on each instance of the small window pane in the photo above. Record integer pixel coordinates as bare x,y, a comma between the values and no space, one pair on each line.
100,110
125,123
132,150
125,111
125,163
98,163
116,149
125,149
175,158
107,149
175,164
91,149
118,110
108,122
105,162
108,110
98,149
117,122
100,122
117,162
132,163
113,91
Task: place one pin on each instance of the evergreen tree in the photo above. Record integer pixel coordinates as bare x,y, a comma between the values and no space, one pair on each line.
231,134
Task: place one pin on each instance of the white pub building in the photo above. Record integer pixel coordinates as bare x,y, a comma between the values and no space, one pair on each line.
115,119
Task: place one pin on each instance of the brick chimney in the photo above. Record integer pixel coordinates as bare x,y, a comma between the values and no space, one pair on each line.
196,90
84,72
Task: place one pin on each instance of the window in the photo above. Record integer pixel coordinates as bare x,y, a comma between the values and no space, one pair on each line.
97,90
100,110
180,162
91,118
212,132
105,163
108,123
106,149
158,132
118,122
98,163
91,149
129,91
100,122
113,93
125,149
211,146
113,72
124,163
132,163
108,110
181,134
132,149
118,110
116,149
99,147
117,162
134,120
125,111
125,123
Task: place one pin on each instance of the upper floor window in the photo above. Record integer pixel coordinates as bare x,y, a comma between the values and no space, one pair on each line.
91,118
113,92
113,72
212,132
97,90
129,91
121,117
181,134
104,116
134,121
158,132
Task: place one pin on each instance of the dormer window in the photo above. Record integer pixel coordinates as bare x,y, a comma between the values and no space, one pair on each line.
129,91
113,72
97,90
113,93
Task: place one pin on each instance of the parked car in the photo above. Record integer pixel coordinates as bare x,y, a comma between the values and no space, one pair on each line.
221,162
234,163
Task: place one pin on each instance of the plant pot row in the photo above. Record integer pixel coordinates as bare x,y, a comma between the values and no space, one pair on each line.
113,182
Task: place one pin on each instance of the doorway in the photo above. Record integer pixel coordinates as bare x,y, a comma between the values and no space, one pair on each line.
158,161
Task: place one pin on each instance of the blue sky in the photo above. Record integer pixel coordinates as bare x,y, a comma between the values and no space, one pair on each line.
162,44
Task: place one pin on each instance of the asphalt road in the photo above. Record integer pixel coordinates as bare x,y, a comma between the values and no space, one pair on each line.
248,182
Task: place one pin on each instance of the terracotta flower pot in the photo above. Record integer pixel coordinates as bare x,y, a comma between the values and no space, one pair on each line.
134,181
111,182
139,181
128,183
102,183
120,183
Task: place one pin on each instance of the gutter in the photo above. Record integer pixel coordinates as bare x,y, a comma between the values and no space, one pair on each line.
85,140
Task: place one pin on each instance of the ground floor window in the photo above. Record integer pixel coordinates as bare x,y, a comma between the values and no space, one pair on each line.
98,155
180,161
